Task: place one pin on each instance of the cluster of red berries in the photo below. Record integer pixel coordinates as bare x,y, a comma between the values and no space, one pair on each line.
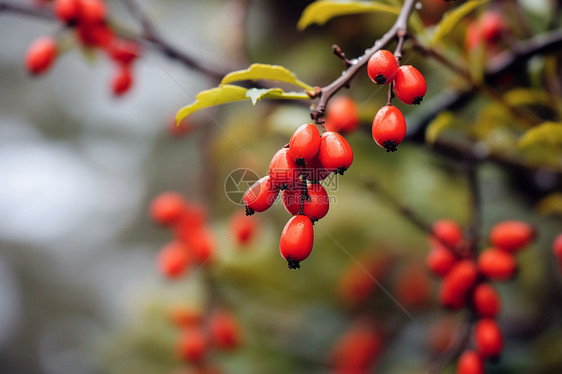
297,171
357,349
466,281
199,334
193,241
88,20
407,83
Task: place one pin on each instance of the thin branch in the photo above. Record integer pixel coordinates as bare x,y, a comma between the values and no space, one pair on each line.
400,26
26,10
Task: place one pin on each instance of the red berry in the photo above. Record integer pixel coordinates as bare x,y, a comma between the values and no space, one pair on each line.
389,127
40,55
318,204
457,283
243,227
224,330
489,339
95,35
283,170
413,288
557,247
68,11
92,11
192,345
511,235
382,67
486,301
304,143
497,264
167,208
202,245
448,231
122,81
356,349
173,259
124,51
335,152
470,363
491,26
315,171
185,316
260,196
440,259
409,86
342,115
296,240
472,39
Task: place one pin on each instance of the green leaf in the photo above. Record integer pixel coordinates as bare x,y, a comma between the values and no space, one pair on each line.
264,71
525,97
214,96
452,18
321,12
442,122
547,134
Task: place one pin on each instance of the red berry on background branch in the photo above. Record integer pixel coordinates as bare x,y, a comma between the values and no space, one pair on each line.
342,115
304,144
124,51
173,259
167,208
486,301
409,86
457,284
41,55
511,235
296,240
470,363
92,11
224,330
497,264
68,11
122,81
557,249
260,196
356,349
389,127
382,67
488,337
448,231
335,153
192,345
440,259
243,227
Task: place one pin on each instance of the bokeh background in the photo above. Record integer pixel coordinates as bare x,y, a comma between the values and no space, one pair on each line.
79,288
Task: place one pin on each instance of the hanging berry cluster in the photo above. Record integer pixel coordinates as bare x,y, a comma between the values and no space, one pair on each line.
297,171
466,281
407,83
200,334
193,241
87,18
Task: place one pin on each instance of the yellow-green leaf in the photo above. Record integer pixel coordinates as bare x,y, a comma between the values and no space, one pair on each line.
453,17
263,71
524,96
550,205
547,134
214,96
256,94
320,12
443,121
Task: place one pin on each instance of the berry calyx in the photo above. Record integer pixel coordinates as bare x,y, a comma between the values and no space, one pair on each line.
389,127
283,170
511,235
296,240
335,153
40,55
470,363
409,86
304,144
497,264
382,67
341,115
488,337
260,196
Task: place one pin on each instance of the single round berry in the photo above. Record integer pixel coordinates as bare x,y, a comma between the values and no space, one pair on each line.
440,259
488,337
243,227
192,345
382,67
260,196
202,245
497,264
92,11
318,202
409,85
296,240
491,26
283,170
457,284
389,127
511,235
335,153
342,115
557,247
304,144
173,259
224,330
447,231
68,11
470,363
122,81
167,208
486,301
40,55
